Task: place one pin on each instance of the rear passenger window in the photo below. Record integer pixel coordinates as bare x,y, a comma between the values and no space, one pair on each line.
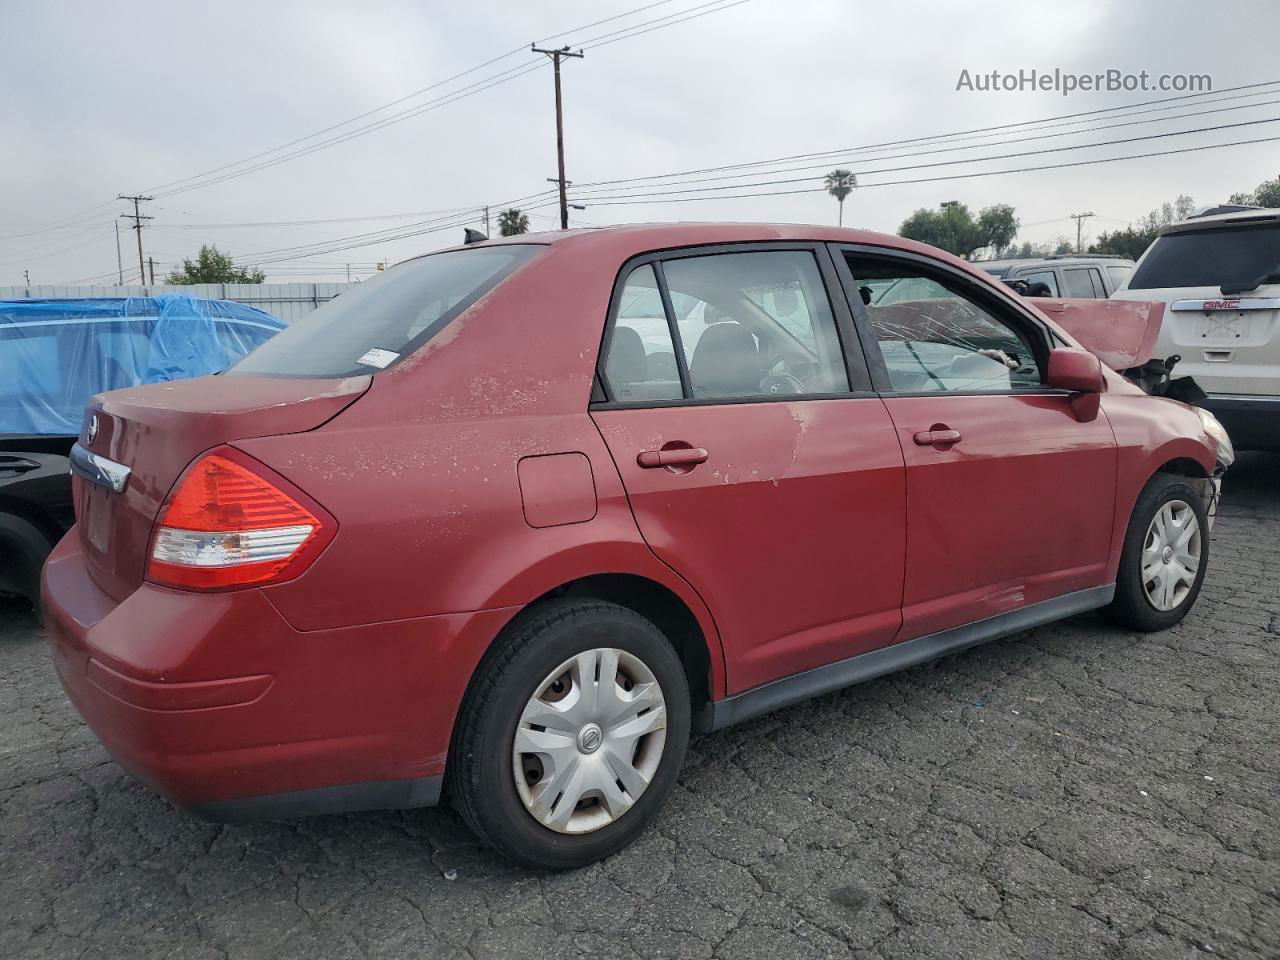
755,324
1076,283
641,364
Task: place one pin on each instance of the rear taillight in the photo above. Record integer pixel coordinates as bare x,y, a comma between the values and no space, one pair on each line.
232,522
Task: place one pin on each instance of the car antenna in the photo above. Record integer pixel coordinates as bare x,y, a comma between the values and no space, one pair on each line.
472,236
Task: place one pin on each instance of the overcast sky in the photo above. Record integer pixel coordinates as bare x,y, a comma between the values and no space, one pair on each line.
98,99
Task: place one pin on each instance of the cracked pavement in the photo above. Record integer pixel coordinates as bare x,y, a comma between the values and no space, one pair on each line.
1072,791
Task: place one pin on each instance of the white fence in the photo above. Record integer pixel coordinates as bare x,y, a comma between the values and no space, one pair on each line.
288,301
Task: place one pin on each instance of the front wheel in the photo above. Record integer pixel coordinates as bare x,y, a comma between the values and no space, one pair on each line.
1165,555
572,734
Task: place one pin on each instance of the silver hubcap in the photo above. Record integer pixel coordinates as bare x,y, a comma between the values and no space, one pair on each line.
589,740
1171,555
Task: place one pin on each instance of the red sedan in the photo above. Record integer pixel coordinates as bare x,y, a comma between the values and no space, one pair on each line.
513,519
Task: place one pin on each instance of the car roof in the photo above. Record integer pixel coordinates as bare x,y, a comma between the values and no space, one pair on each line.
640,238
1231,219
1067,259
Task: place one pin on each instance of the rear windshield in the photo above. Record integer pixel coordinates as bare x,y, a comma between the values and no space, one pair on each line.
1209,258
374,325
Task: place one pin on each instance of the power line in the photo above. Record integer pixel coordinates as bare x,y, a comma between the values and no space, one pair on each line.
60,246
585,191
65,223
543,193
607,202
471,90
226,225
393,103
939,137
948,163
625,199
212,177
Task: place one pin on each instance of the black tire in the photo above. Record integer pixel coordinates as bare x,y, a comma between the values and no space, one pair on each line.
1131,607
23,550
481,778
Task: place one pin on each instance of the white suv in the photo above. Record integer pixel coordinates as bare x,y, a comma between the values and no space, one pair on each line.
1220,276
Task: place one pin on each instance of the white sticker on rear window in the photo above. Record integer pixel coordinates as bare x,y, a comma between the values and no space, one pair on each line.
377,357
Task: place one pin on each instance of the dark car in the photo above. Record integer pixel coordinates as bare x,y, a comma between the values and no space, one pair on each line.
54,356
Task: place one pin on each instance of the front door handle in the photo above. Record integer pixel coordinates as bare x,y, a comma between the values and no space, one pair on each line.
672,457
938,437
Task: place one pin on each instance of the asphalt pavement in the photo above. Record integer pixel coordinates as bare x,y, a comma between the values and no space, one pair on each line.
1072,791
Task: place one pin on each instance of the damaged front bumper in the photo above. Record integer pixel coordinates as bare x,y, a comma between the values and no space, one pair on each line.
1210,490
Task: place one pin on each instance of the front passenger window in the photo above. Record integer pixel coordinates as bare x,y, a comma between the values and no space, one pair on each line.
944,340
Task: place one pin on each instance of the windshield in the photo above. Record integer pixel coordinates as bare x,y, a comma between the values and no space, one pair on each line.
373,326
1209,258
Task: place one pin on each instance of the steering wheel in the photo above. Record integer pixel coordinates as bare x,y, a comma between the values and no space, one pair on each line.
781,383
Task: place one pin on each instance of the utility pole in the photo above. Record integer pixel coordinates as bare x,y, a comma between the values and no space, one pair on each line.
556,56
119,262
947,206
26,275
1080,218
137,217
486,222
151,262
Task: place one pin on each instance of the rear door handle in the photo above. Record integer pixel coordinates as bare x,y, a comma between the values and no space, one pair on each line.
675,457
938,438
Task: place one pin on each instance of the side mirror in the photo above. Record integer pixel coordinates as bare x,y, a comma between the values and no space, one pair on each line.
1080,372
1076,370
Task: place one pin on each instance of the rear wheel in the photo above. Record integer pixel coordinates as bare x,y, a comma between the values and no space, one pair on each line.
572,734
1165,555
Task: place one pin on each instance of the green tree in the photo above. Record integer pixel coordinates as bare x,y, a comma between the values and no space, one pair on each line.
213,266
512,222
1030,251
996,227
1134,239
840,184
1265,194
954,229
933,227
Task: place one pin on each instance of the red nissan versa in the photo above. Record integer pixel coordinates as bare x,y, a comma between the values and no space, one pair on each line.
512,519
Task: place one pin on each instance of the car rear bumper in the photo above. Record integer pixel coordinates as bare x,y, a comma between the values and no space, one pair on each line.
1253,422
218,704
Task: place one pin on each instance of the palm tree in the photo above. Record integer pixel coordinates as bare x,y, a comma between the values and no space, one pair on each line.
840,184
511,222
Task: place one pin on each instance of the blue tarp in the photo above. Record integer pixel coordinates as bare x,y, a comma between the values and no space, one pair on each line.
56,354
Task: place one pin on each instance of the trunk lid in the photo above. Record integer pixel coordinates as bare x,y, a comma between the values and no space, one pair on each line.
1121,333
157,430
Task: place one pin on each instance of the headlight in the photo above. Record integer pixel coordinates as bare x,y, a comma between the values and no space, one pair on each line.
1226,452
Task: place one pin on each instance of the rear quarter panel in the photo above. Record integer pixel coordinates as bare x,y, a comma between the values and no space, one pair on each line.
422,473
